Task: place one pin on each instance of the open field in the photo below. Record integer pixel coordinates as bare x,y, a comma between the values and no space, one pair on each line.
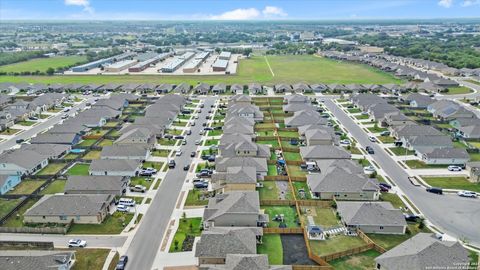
287,69
42,64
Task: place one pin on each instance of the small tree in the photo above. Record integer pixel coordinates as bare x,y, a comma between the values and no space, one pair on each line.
50,71
175,244
184,217
190,227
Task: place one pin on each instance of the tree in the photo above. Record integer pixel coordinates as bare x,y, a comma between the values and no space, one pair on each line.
175,244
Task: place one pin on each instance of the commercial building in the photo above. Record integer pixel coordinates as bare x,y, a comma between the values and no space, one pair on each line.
145,63
193,65
102,62
220,65
119,66
177,62
225,55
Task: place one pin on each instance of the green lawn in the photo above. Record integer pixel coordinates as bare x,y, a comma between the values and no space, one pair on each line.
273,143
90,258
452,183
361,261
6,205
42,64
292,156
291,134
302,186
458,90
361,117
88,142
113,224
376,129
335,244
160,153
354,110
270,191
186,226
9,131
272,170
386,139
91,155
105,142
323,216
179,124
193,198
417,164
16,220
139,180
51,169
393,199
265,125
289,212
287,69
26,123
167,142
474,157
79,169
57,186
151,164
389,241
211,142
295,170
272,246
216,132
26,187
401,151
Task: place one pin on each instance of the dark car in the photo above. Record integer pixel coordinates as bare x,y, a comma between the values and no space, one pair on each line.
204,157
385,185
179,137
200,185
211,158
122,263
19,140
189,132
383,189
435,190
186,167
369,150
208,128
204,124
193,154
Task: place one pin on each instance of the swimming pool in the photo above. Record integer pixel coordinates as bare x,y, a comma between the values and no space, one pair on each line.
77,151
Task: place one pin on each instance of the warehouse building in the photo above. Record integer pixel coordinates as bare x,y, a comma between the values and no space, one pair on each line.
119,66
144,64
102,62
225,55
177,62
220,65
193,65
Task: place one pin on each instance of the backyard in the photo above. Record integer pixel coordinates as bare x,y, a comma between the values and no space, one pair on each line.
272,246
79,169
335,244
289,214
51,169
6,205
56,186
361,261
26,187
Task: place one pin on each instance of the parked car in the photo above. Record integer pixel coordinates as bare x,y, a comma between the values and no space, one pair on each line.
138,188
193,154
435,190
179,137
184,142
385,133
467,193
147,172
372,139
122,208
369,169
189,132
19,140
208,128
196,117
202,184
369,150
65,116
454,168
198,142
345,142
66,109
186,167
192,124
77,243
411,217
122,263
211,158
33,118
385,185
171,164
178,153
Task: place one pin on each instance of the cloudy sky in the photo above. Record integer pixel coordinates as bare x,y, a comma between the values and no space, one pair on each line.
235,9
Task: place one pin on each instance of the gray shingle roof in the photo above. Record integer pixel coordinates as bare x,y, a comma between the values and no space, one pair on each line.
324,152
35,259
71,205
234,202
114,165
116,151
94,184
370,213
217,242
335,179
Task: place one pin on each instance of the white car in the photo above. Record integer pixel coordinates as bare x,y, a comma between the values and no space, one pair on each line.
77,243
466,193
196,117
345,142
122,208
368,169
372,139
179,153
454,168
198,142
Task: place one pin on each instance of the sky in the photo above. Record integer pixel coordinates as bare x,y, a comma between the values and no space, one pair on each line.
236,9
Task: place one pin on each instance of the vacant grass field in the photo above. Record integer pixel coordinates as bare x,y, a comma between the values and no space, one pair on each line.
287,69
272,246
452,183
42,64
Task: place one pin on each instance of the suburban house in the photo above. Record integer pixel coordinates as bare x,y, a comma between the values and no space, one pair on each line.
201,89
219,88
364,101
396,118
380,110
255,88
51,151
445,156
164,88
473,169
447,109
7,182
405,132
310,153
244,149
117,104
236,89
182,88
90,184
372,217
304,117
419,101
115,167
260,164
69,139
247,261
135,152
245,110
39,259
82,209
6,120
238,128
137,136
282,88
301,88
468,128
21,162
234,209
216,243
320,136
235,179
424,251
342,184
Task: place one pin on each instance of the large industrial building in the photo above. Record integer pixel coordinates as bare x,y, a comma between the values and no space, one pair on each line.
225,55
220,65
119,66
102,62
148,62
177,62
197,61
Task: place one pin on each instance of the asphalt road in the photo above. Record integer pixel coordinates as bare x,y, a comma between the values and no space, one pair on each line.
148,238
456,216
38,128
60,241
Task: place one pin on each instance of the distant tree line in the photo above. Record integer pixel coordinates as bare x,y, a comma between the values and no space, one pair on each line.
455,51
15,57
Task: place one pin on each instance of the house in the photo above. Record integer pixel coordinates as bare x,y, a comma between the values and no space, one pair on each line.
182,88
6,120
255,88
37,259
50,151
234,209
342,184
238,128
304,117
364,101
309,153
282,88
234,138
137,136
117,104
56,138
260,164
372,217
320,136
235,179
114,167
82,209
296,98
245,110
380,110
216,243
244,149
396,118
473,169
21,162
201,89
246,261
301,88
423,144
164,88
240,99
318,88
445,156
424,251
470,131
134,152
420,101
447,109
236,89
90,184
7,182
405,132
219,88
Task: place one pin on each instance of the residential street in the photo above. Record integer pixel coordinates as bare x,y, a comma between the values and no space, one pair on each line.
146,242
34,130
456,216
60,241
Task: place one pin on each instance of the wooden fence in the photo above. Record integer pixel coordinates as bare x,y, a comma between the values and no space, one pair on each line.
319,203
26,245
348,252
294,162
367,240
275,178
277,202
282,230
298,178
36,230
